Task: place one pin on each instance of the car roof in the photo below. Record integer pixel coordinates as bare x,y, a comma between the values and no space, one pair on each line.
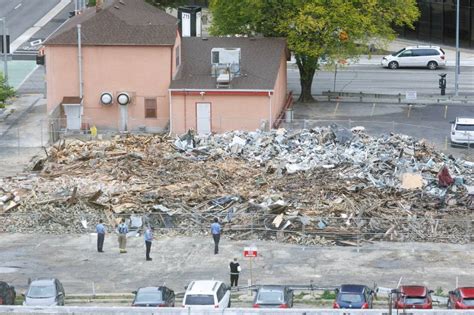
422,47
203,286
352,288
43,281
414,290
467,292
150,289
272,288
465,120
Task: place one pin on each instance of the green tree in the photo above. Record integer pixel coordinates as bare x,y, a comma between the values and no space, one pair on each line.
315,29
6,91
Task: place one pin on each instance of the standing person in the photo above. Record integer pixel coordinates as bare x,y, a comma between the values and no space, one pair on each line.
148,235
216,234
100,229
235,269
122,237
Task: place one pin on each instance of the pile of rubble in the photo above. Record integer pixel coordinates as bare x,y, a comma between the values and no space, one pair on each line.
319,186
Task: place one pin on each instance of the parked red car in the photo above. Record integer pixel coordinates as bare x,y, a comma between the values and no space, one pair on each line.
461,298
414,296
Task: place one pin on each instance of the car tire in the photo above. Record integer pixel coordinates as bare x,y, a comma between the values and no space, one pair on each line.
432,65
393,65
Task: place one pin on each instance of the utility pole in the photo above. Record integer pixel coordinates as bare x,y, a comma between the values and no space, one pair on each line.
458,55
5,49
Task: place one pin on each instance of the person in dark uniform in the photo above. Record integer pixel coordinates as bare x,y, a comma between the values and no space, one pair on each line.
100,229
235,269
216,234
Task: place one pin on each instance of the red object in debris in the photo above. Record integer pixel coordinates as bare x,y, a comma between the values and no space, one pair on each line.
444,179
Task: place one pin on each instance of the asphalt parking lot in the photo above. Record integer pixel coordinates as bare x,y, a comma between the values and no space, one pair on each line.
178,260
423,121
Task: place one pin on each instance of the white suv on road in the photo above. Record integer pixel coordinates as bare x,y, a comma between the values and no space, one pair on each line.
207,294
419,56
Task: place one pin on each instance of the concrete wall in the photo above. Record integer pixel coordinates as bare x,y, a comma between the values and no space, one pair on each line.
231,311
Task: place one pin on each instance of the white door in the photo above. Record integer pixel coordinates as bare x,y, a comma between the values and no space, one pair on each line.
203,117
123,117
73,117
186,27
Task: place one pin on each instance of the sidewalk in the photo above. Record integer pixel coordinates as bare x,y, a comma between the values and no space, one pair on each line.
23,131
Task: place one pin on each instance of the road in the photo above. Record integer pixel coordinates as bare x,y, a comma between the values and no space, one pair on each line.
22,14
375,79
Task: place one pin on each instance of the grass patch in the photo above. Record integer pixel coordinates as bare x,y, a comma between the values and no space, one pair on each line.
328,295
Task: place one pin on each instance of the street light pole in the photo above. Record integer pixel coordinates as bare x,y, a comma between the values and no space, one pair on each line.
458,56
5,50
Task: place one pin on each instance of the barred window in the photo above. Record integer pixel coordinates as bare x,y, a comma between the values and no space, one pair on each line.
150,108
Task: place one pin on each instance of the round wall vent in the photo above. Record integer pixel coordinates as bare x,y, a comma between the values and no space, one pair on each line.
123,98
106,98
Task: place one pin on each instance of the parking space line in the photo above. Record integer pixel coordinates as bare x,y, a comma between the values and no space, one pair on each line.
335,109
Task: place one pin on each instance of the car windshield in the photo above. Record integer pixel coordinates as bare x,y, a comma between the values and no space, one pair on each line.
148,297
468,301
415,300
350,298
41,291
270,297
460,127
199,299
396,53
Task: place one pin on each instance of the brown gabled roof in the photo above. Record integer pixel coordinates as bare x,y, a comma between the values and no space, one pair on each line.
124,22
259,62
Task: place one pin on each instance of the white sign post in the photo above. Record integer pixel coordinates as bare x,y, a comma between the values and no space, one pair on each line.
251,253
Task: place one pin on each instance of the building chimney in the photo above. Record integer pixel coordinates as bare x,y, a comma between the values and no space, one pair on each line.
99,5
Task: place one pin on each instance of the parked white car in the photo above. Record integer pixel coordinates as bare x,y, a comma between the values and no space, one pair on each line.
431,57
207,294
462,130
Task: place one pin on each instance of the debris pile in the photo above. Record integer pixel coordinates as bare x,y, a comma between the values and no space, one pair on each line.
320,186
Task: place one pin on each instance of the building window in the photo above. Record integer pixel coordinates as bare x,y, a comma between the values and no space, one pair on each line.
150,108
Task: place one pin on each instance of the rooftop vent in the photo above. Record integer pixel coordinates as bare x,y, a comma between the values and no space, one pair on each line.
225,65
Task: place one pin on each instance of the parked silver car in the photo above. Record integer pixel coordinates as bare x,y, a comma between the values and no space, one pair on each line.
45,292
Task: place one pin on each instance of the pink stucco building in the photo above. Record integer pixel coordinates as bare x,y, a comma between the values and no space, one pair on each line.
133,71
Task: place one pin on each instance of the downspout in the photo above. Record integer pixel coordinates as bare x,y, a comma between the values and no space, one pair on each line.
171,114
270,121
79,60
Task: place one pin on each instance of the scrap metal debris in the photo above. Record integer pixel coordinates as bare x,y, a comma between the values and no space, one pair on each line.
318,186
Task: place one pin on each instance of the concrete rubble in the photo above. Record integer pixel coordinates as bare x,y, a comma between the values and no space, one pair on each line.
326,185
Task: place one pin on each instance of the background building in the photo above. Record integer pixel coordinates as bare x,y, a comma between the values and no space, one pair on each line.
437,23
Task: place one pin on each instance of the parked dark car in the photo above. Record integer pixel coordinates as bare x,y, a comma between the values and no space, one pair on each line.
273,296
154,297
7,294
461,298
353,296
45,292
414,296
